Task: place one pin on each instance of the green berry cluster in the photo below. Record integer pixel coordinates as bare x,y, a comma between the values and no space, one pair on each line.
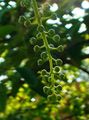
51,88
53,76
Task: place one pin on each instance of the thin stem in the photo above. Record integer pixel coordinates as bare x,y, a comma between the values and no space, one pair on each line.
37,16
48,51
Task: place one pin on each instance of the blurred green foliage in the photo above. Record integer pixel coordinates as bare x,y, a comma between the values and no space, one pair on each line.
21,93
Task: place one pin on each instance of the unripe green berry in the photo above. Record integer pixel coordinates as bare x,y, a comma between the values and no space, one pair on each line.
52,98
56,76
56,38
27,23
49,79
62,76
36,48
51,32
58,88
40,28
57,82
22,4
43,55
45,77
47,90
21,19
44,72
25,3
33,41
60,48
58,97
40,62
59,62
56,69
38,36
44,82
